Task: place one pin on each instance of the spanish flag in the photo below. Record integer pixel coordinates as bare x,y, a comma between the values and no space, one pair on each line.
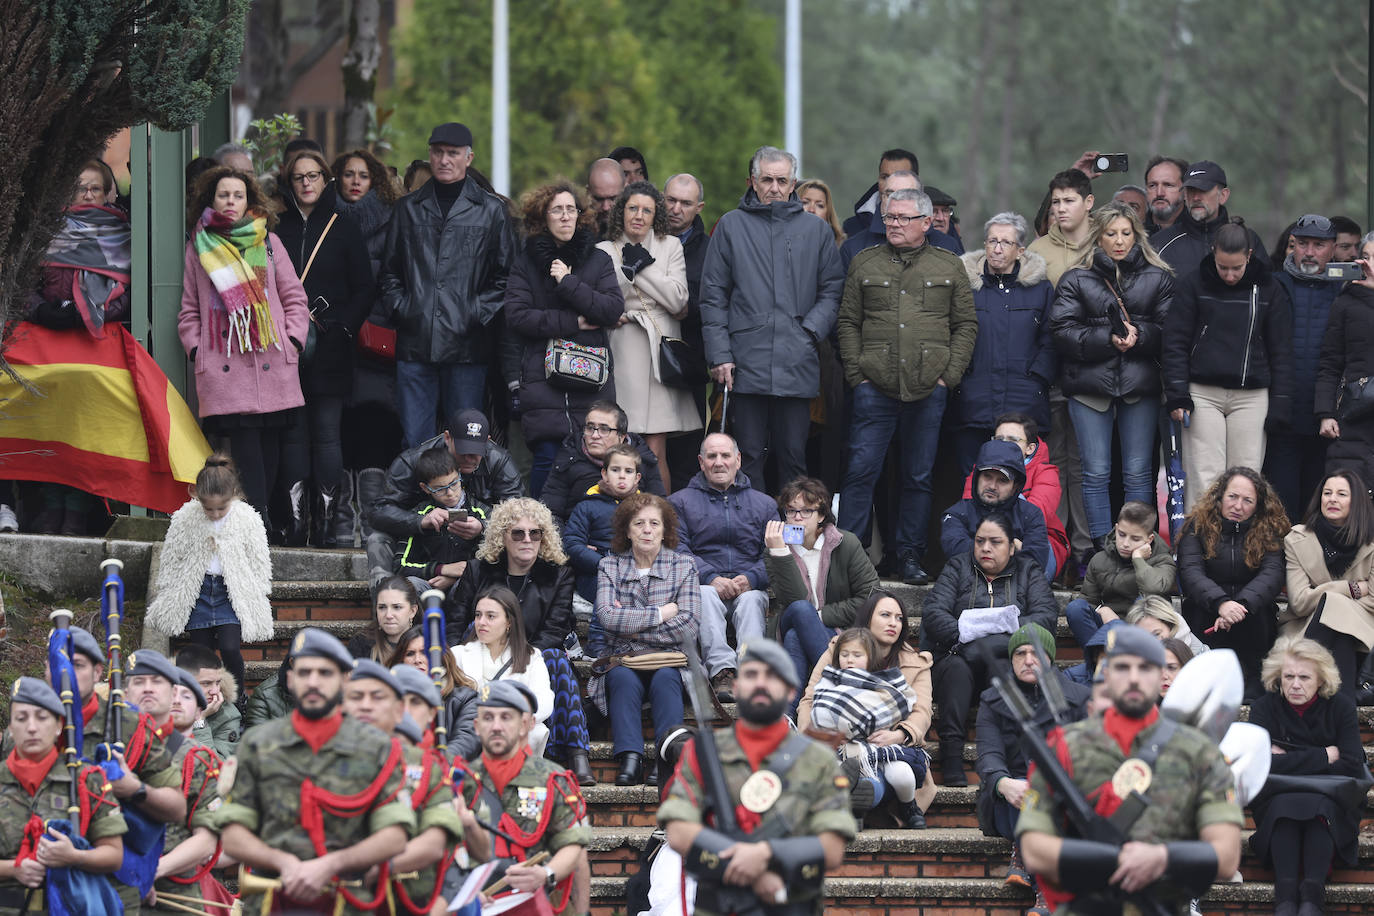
100,416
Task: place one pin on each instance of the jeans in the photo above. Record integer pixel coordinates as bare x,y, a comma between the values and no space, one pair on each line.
1083,620
625,695
543,453
805,638
420,387
876,417
746,612
1135,424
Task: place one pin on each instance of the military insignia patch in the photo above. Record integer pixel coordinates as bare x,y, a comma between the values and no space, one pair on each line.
299,644
1030,799
14,691
414,773
486,692
530,802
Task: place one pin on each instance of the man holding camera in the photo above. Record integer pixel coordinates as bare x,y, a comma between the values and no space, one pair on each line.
907,327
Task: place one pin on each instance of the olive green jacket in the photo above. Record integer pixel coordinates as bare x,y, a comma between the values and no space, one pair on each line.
906,320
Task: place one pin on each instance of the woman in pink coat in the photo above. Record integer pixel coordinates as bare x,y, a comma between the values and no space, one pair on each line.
243,322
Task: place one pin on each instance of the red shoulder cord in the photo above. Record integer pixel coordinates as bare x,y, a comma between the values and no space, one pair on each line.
137,746
418,799
316,802
188,775
90,803
1054,896
572,794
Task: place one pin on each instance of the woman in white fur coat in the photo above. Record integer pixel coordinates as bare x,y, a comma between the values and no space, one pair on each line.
215,571
497,650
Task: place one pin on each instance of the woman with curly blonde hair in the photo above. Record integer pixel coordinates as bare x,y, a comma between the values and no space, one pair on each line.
522,551
1231,567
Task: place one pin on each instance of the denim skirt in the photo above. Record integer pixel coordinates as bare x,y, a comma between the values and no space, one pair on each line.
212,607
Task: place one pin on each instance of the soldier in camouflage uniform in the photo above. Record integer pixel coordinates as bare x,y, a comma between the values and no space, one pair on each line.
33,789
150,783
317,798
190,849
374,695
785,787
1188,833
531,799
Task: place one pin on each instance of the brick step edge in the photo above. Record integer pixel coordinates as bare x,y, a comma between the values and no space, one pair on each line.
907,890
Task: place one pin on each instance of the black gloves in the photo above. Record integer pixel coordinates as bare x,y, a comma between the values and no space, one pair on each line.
633,259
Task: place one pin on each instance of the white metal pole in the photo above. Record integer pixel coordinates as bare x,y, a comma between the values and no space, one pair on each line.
500,97
792,86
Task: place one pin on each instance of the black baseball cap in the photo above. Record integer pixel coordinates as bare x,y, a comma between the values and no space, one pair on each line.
1204,176
451,134
469,429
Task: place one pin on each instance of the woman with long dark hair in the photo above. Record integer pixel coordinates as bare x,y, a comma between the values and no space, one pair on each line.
1231,567
395,609
1330,557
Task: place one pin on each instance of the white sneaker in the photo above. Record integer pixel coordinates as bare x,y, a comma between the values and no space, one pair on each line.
8,520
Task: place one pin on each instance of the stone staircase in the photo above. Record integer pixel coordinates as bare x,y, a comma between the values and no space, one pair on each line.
949,868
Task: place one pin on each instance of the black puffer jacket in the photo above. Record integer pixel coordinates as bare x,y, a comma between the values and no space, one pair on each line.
1206,583
443,278
1082,331
1230,336
573,474
1000,752
962,585
538,309
1347,354
340,287
545,597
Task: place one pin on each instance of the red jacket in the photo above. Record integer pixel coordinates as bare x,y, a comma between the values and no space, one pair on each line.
1042,489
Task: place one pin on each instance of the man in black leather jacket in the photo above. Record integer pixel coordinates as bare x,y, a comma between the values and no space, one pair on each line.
488,473
443,279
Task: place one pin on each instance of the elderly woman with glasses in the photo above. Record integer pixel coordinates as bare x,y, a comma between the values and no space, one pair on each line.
523,551
1013,361
561,288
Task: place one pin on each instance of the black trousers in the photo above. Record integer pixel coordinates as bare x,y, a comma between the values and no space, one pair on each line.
764,426
957,679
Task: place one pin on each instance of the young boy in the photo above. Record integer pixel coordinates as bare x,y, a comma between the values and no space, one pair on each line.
587,535
1134,562
438,554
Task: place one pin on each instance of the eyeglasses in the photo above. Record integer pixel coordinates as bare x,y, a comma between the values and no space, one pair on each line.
789,512
892,219
90,190
446,488
564,211
534,535
999,244
307,177
1007,439
598,429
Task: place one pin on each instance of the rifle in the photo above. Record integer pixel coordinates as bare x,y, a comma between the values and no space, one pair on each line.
435,648
703,860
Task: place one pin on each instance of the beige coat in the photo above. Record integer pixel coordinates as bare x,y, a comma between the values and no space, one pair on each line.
654,303
1309,582
915,668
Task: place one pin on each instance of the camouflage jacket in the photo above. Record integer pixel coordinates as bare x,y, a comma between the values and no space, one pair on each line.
50,801
431,796
1191,788
201,788
274,761
525,799
814,799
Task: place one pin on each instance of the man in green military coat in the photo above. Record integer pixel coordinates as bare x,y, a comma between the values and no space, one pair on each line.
375,696
787,791
1188,834
317,799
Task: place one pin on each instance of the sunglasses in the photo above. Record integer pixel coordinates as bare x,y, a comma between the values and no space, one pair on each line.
527,534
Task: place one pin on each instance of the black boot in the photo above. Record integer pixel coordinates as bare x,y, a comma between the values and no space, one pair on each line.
651,773
952,764
298,528
911,815
344,529
1311,898
581,768
322,516
371,484
1286,898
631,769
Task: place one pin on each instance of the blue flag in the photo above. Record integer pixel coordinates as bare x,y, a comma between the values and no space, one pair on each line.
73,892
64,678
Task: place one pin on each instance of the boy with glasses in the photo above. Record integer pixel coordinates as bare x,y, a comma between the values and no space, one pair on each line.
439,553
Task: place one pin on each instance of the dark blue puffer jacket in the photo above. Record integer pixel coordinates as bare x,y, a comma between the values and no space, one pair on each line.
723,530
1311,298
1013,361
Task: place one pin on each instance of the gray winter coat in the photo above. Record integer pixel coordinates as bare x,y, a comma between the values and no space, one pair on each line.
770,290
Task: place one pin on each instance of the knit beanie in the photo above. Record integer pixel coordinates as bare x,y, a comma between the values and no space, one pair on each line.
1035,631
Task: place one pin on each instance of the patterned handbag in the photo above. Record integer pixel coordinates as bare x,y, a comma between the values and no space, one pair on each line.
571,366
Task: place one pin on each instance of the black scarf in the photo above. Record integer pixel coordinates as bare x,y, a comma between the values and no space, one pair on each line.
543,249
369,212
1337,553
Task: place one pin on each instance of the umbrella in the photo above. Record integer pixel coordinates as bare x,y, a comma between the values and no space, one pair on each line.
1175,479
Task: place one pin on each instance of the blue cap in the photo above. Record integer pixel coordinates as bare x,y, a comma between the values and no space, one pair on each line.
415,682
366,669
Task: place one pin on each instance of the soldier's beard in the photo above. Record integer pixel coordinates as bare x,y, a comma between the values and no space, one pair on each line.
1136,708
320,712
762,713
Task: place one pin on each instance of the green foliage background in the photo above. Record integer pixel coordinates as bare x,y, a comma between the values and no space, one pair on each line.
994,95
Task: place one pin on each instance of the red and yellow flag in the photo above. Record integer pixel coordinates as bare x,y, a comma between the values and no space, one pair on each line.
102,418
